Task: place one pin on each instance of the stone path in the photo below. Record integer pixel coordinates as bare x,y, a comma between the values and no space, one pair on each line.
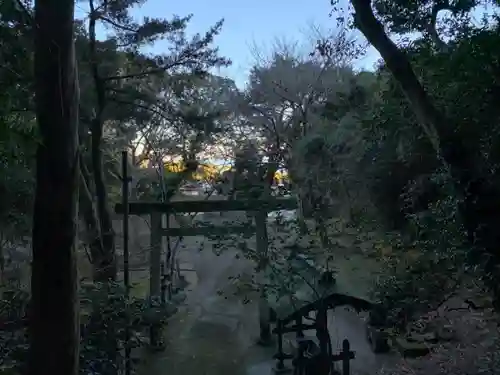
215,334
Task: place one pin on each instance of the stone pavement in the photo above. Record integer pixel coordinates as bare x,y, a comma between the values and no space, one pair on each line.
215,333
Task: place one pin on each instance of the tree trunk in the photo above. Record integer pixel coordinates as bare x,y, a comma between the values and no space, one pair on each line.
54,315
301,198
480,207
89,214
105,266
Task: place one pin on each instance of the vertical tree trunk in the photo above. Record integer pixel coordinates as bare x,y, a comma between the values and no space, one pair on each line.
105,266
54,316
301,198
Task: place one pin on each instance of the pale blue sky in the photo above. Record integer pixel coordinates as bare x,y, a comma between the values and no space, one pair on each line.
252,23
247,23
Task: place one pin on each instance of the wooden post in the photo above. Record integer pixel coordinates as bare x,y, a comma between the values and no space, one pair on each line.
347,356
262,247
164,267
126,182
280,356
301,217
155,274
169,275
262,251
155,255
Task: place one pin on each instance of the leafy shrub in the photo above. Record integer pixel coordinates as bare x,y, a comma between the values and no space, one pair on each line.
13,331
104,315
427,265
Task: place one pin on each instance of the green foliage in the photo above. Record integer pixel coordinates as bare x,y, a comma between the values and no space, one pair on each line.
412,194
16,184
403,16
13,331
397,155
359,142
292,265
105,314
429,259
18,138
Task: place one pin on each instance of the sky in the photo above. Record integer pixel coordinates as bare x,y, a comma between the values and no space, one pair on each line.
247,24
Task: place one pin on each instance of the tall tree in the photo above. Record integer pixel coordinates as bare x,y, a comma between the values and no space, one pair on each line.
54,318
284,101
477,191
134,79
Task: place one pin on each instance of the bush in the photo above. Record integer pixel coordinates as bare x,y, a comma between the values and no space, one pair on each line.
102,328
13,331
426,265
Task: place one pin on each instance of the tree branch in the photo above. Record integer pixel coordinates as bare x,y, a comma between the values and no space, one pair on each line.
399,65
431,26
118,26
182,60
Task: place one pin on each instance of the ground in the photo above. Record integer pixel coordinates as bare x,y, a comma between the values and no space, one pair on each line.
215,332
